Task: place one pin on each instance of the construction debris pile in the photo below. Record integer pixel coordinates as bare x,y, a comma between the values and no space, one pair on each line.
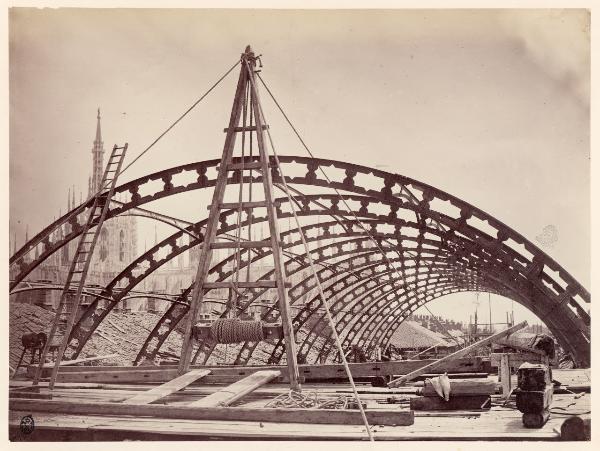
122,334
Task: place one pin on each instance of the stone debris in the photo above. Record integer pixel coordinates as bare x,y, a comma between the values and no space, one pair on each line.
123,334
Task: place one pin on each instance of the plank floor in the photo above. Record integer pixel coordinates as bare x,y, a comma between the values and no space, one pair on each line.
499,423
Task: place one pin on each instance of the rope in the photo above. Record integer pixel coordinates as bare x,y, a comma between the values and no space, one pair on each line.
314,271
234,330
358,221
306,400
182,116
80,208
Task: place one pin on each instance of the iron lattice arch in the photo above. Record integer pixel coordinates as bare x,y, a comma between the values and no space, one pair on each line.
435,244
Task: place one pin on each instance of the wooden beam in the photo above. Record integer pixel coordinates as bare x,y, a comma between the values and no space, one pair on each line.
30,395
284,415
251,128
164,373
278,261
460,353
454,403
504,375
115,326
228,395
168,388
516,359
133,376
204,261
463,388
87,359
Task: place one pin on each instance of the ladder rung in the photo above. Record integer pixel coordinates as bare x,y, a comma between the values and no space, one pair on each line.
256,284
253,128
245,205
242,244
249,165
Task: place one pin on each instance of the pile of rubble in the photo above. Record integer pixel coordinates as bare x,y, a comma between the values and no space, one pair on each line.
123,334
120,333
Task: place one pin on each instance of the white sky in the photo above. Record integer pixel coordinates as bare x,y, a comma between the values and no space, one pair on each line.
490,106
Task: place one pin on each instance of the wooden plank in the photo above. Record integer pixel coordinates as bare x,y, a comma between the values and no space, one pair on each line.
311,372
460,353
76,361
110,340
283,415
168,388
454,403
504,375
463,388
30,395
115,326
228,395
131,376
106,428
27,384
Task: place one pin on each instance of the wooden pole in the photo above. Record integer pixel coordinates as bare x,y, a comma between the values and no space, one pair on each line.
504,373
282,294
460,353
213,223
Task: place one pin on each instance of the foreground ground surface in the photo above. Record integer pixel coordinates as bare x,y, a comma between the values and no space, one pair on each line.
501,422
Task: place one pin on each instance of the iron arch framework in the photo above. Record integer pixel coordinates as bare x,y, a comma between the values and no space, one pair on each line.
436,244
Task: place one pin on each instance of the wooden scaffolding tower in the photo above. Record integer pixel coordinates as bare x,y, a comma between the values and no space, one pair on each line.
246,100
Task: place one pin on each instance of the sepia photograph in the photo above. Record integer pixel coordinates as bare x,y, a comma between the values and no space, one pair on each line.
337,224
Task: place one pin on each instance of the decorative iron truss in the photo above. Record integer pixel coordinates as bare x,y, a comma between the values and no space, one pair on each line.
436,243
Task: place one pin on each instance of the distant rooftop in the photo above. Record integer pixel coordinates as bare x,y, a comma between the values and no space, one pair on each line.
411,335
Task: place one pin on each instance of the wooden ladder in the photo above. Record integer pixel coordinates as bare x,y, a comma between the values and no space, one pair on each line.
70,298
246,89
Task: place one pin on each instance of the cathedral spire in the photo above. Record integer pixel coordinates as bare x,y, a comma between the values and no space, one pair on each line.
97,159
98,130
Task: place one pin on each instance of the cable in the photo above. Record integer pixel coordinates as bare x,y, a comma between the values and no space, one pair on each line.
181,117
82,206
346,204
312,267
